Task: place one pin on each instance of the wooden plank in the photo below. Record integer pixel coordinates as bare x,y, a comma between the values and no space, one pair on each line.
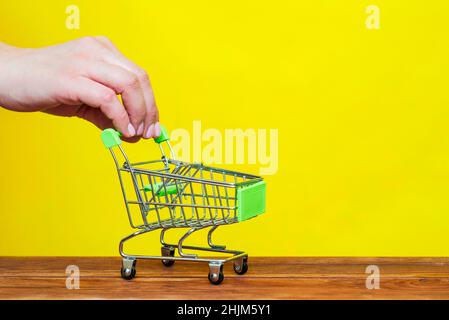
267,278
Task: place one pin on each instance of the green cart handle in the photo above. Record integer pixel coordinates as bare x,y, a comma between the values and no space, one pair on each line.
111,137
164,136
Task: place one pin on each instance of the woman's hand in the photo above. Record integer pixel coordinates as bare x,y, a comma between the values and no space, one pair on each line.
80,78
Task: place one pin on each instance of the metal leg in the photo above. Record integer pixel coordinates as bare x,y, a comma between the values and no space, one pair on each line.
188,233
162,236
135,234
209,239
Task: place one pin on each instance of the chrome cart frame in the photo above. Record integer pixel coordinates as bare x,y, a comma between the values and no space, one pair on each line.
167,194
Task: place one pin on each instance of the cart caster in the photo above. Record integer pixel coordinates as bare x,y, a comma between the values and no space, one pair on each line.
241,265
168,252
128,270
216,273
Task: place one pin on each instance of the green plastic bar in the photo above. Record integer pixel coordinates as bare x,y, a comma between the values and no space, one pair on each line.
171,189
110,138
251,200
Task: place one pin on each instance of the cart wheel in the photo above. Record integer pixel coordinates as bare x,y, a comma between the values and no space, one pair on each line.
216,277
241,267
129,273
168,252
168,263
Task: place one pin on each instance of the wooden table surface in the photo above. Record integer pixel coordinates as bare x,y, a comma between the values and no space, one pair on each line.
267,278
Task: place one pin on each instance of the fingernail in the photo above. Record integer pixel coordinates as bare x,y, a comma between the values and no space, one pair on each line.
140,129
157,130
149,132
131,130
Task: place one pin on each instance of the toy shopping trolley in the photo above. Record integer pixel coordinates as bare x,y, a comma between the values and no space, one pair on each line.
166,194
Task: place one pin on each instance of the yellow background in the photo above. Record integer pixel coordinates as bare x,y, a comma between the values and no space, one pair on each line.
363,120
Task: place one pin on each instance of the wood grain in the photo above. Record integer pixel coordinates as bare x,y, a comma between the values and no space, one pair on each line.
267,278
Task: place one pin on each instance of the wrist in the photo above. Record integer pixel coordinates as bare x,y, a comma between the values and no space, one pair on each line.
7,53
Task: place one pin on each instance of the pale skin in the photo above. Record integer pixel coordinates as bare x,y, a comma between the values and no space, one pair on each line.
80,78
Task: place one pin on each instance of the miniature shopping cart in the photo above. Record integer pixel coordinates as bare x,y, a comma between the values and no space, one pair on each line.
166,194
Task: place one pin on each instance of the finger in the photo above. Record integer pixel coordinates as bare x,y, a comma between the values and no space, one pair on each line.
83,111
152,114
96,95
125,83
97,117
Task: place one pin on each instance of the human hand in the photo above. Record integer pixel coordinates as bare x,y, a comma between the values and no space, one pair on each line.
80,78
